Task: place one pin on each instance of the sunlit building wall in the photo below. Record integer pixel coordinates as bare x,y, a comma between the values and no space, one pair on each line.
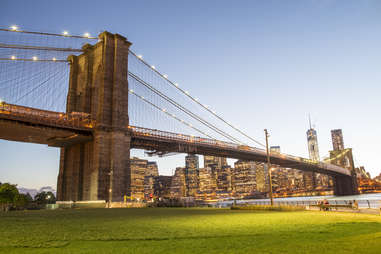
337,140
138,171
191,174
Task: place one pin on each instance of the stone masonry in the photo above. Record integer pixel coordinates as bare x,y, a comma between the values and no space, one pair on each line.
99,169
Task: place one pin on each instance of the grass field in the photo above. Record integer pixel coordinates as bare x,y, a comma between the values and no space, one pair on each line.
175,230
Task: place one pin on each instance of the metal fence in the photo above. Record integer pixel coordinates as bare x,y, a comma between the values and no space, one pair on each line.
361,203
369,203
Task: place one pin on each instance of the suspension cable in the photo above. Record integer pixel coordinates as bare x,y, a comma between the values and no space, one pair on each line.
13,46
37,87
188,112
193,99
50,34
34,60
170,114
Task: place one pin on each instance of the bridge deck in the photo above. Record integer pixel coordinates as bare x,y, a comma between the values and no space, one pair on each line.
24,124
173,142
68,128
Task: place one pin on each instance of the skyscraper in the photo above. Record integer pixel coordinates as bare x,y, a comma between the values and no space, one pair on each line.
191,161
309,178
275,149
138,170
191,174
337,140
244,178
152,169
313,147
218,161
178,184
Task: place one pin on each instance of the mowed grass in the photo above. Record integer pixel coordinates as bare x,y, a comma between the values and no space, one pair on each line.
177,230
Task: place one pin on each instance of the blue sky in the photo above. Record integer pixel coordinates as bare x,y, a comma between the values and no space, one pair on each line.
261,64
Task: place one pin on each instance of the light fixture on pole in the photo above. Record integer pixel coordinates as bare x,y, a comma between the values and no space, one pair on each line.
111,174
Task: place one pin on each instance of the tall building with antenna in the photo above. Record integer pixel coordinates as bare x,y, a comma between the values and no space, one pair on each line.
310,178
313,147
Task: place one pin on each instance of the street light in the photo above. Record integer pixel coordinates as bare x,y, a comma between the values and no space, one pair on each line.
111,174
268,168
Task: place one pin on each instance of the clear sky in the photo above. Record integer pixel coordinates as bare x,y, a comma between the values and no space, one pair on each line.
261,64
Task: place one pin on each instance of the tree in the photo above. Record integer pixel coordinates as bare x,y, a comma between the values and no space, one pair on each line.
29,197
44,198
21,201
8,195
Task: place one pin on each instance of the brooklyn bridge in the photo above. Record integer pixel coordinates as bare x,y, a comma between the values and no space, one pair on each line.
96,99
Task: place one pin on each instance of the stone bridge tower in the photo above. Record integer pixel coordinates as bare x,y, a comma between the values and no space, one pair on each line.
98,85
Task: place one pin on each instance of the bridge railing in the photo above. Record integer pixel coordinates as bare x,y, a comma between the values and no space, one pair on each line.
74,120
180,137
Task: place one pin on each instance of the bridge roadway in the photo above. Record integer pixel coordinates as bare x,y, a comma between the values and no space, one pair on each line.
24,124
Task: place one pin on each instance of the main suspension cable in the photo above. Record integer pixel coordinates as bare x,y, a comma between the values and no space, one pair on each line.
35,59
50,34
15,46
193,99
169,114
183,109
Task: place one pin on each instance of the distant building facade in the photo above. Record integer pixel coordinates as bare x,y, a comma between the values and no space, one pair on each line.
152,168
247,179
207,184
337,140
310,179
213,160
313,148
224,180
162,186
275,149
262,179
221,172
138,171
178,183
342,156
191,175
244,179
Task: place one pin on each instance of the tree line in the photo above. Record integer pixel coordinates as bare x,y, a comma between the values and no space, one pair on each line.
11,199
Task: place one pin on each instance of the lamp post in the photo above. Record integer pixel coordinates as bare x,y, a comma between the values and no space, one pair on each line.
269,169
110,188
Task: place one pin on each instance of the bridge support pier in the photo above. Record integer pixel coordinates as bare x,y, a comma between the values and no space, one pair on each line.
345,185
98,85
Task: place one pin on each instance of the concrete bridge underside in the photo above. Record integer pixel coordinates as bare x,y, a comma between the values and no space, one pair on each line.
23,131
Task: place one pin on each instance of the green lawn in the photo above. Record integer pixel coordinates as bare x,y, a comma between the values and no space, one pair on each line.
175,230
